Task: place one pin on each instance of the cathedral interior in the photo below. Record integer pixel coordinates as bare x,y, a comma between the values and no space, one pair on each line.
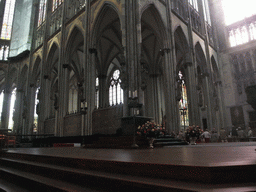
77,68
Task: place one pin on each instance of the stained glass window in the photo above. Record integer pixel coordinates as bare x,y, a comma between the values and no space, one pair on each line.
194,4
97,93
242,35
245,35
56,4
7,20
35,125
73,93
232,38
4,52
252,31
1,52
183,103
12,109
42,12
1,104
206,11
115,90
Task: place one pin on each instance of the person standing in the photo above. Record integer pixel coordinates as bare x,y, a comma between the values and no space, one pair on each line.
234,133
206,135
214,136
223,135
240,133
249,134
192,134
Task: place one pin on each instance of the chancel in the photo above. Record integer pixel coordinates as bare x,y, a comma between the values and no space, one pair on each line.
118,74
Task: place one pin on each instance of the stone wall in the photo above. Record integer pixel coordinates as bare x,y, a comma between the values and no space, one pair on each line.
72,125
107,120
49,126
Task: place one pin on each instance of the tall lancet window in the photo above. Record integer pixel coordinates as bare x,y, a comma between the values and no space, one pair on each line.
206,11
1,105
115,90
56,4
194,4
35,125
7,20
73,93
183,103
42,11
4,52
97,98
252,31
232,38
12,109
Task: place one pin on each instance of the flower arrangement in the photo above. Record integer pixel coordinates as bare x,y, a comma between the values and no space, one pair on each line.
150,129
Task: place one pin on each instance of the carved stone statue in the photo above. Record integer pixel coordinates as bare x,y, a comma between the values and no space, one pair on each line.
178,89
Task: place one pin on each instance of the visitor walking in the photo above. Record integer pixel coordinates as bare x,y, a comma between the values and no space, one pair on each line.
206,135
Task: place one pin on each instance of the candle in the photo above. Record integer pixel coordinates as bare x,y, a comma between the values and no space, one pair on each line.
85,105
130,94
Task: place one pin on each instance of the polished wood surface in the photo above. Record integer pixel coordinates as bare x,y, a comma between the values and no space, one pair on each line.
213,154
202,167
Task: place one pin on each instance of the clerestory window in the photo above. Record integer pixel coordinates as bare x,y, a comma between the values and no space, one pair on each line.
42,12
194,4
56,4
4,52
97,92
7,20
207,17
115,90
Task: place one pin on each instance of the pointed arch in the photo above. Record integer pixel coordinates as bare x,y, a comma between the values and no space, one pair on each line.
23,77
154,37
106,36
215,70
36,70
160,26
181,47
75,50
101,13
52,60
13,74
200,58
154,76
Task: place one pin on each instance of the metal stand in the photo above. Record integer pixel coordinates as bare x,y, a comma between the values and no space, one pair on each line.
134,104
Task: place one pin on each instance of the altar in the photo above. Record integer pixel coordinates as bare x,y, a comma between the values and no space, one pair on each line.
130,124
